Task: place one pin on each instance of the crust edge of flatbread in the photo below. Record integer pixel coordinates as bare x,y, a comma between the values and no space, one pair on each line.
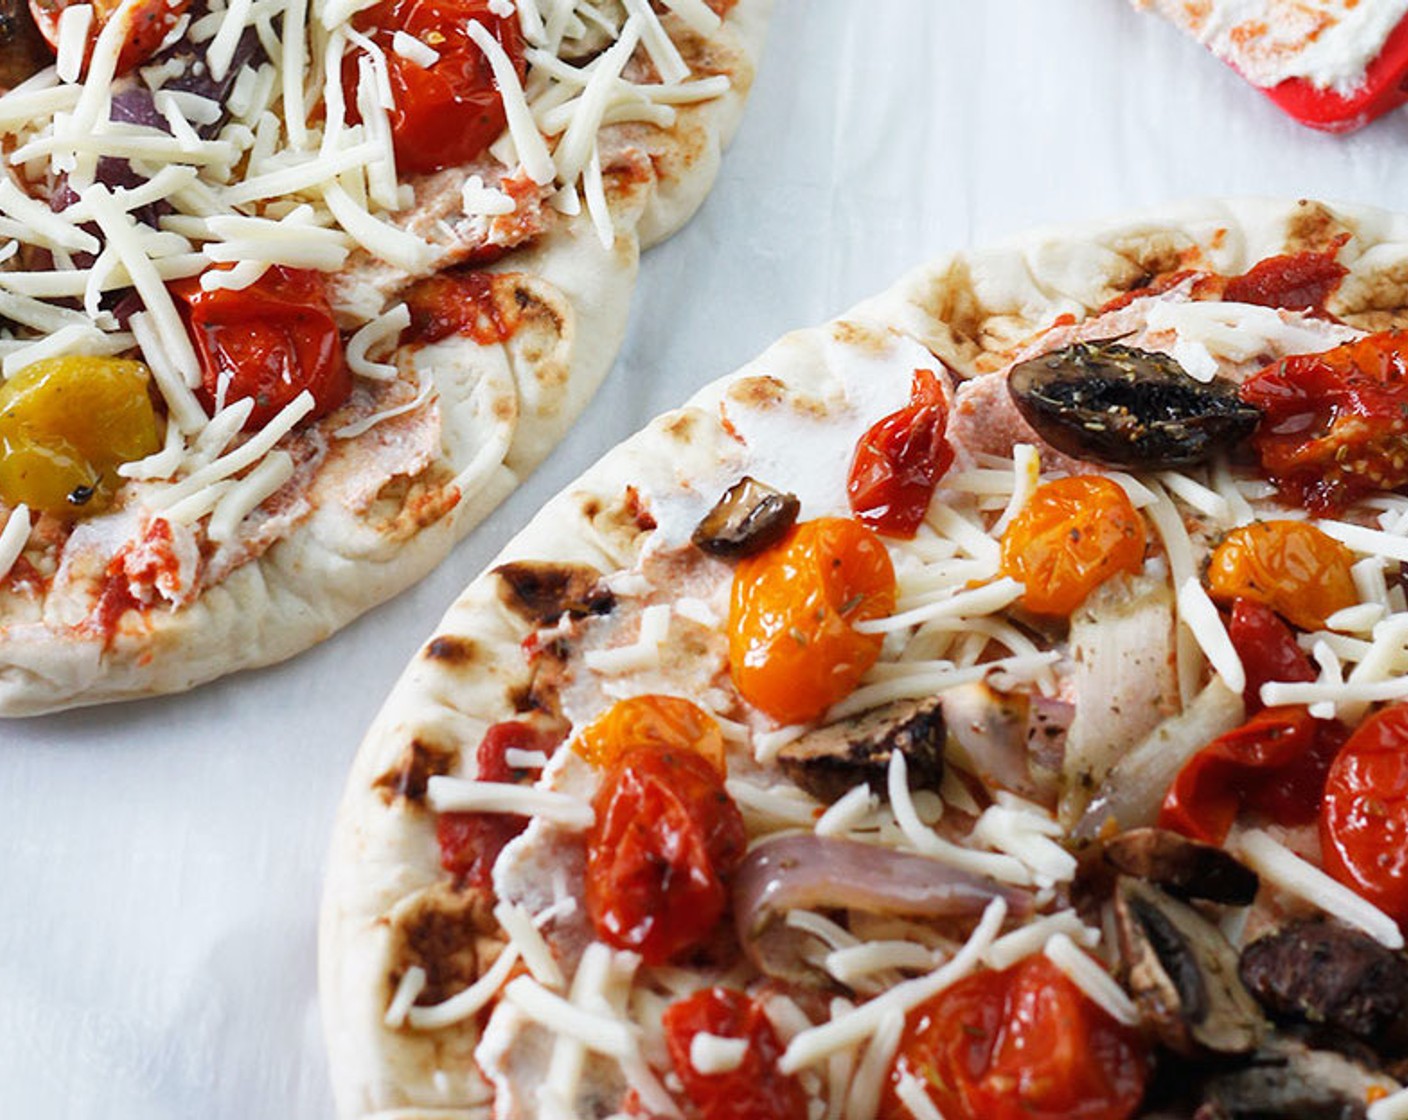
965,307
335,566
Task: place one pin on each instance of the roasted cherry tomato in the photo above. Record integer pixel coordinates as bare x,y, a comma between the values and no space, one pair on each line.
752,1090
793,647
269,341
660,722
151,22
471,842
900,460
666,840
1295,281
1297,570
1021,1044
1364,815
1072,535
1275,762
66,424
1334,425
449,112
460,303
1267,649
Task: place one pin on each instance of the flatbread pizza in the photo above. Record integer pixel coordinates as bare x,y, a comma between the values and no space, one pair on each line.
293,295
986,704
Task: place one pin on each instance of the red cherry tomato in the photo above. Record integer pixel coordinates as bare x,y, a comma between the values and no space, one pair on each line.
459,303
269,341
471,842
900,460
1334,425
1296,281
1364,815
1275,762
666,839
1267,648
1021,1044
793,649
448,113
754,1089
151,22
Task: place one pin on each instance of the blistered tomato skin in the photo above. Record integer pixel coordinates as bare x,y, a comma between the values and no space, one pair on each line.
666,840
659,722
899,461
66,424
448,113
793,647
150,22
1291,566
1364,814
754,1089
1071,536
1021,1044
267,342
1334,424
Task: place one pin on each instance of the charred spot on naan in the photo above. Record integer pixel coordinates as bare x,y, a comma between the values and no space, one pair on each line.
872,340
1314,228
452,651
448,931
408,779
542,591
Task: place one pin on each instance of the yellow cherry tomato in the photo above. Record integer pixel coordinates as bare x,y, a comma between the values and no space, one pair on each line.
661,722
66,424
1071,536
1297,570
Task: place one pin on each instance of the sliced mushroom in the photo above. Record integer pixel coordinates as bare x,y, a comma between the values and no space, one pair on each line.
1183,975
1184,868
1322,972
1115,404
747,519
1289,1081
840,756
23,52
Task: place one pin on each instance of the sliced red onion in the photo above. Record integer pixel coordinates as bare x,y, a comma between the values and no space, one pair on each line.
820,872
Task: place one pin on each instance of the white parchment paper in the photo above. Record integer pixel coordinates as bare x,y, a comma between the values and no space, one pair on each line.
160,862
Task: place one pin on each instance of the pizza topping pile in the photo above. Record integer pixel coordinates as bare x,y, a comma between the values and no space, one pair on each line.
223,208
1069,782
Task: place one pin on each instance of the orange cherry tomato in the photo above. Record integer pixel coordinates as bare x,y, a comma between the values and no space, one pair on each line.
1291,566
449,112
151,22
269,341
658,722
793,647
1364,814
1333,424
1021,1044
752,1090
899,461
1072,535
666,840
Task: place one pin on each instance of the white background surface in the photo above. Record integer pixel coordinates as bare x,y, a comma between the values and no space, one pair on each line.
160,862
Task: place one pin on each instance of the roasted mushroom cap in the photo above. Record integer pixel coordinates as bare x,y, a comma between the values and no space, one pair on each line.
829,762
1184,868
1183,975
1114,404
1322,972
23,52
747,519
